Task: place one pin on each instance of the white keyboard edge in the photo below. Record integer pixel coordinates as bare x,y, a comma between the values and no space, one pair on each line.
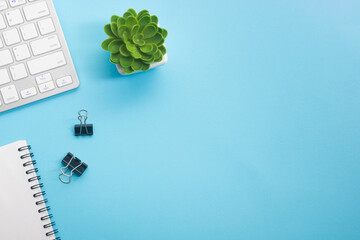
59,75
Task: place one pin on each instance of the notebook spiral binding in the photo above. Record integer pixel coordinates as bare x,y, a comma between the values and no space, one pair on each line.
40,193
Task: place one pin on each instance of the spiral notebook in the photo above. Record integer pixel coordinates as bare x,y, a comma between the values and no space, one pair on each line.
23,208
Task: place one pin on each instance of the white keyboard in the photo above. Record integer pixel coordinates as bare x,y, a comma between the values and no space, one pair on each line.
35,62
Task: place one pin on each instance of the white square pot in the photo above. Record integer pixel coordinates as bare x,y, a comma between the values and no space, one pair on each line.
153,65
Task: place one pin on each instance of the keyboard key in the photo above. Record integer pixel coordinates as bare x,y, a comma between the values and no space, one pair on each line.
46,63
46,26
14,17
45,45
44,78
21,52
29,31
46,86
3,5
1,43
61,82
35,11
14,3
9,94
11,37
28,92
4,77
2,22
5,57
18,71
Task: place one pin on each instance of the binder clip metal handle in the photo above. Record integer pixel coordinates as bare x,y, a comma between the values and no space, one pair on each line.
82,119
75,166
63,172
83,129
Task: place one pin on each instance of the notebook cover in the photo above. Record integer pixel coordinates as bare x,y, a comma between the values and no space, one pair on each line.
19,216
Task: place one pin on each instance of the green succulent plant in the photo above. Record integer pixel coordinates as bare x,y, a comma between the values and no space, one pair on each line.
135,40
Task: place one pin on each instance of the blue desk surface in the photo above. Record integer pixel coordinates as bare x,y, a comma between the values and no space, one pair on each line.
250,131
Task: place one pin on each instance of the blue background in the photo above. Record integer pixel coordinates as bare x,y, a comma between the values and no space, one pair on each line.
250,131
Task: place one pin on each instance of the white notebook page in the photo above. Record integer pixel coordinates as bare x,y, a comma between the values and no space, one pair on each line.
19,216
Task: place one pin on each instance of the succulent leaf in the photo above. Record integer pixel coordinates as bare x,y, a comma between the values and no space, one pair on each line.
114,18
132,11
135,29
145,49
149,62
105,44
115,57
108,31
123,50
126,36
149,30
114,29
164,33
145,67
130,46
158,56
122,30
130,22
159,59
148,59
126,61
135,40
128,70
114,46
143,13
121,21
138,39
144,21
154,49
155,19
137,65
155,39
136,53
161,42
127,14
162,50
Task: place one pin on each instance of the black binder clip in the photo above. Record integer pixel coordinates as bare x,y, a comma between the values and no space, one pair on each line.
83,129
74,164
